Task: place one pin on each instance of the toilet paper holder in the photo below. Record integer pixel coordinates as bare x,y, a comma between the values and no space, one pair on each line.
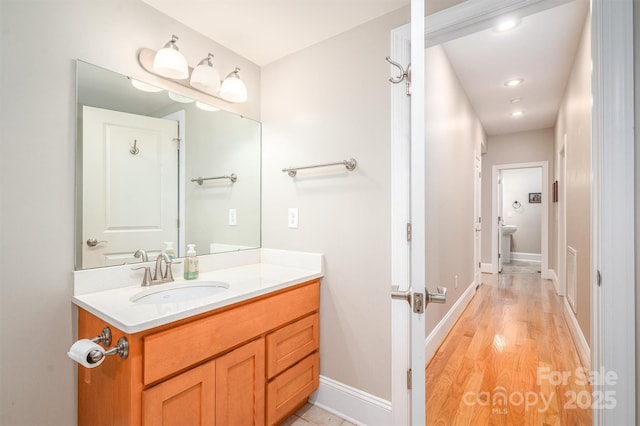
122,348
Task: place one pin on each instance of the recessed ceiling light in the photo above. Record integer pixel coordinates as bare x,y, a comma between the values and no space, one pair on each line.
516,100
517,113
506,25
514,82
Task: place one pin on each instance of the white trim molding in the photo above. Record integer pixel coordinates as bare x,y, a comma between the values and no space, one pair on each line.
526,257
440,331
584,352
351,404
554,279
613,307
486,268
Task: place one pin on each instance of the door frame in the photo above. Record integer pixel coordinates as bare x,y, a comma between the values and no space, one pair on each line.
613,210
495,209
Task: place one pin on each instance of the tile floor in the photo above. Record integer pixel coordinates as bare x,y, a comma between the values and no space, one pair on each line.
310,415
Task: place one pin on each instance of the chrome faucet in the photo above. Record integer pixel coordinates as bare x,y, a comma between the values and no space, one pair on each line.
141,254
159,277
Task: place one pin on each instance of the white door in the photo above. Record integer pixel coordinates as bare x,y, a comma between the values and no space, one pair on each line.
130,186
478,219
500,220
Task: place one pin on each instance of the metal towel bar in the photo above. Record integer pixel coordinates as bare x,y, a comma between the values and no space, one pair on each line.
232,177
350,164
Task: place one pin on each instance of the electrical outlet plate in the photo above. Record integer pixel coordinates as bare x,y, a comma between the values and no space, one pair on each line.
292,218
233,217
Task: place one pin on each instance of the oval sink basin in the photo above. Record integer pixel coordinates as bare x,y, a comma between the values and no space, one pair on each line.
509,229
180,292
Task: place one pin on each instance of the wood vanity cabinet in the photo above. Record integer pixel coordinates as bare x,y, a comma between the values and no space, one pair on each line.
250,363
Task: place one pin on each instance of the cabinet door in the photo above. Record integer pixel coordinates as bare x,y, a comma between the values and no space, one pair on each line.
240,383
187,399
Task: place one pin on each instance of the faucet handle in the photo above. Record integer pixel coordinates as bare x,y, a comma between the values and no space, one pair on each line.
146,279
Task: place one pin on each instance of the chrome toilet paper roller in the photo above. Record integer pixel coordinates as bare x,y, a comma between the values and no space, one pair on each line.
90,354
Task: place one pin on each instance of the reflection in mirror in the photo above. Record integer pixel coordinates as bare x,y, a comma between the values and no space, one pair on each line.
155,167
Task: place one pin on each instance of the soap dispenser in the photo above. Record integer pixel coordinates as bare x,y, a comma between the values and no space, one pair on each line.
169,250
191,267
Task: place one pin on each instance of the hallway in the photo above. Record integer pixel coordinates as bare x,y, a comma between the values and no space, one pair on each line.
509,360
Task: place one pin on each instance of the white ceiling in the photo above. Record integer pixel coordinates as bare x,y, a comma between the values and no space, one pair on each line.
541,50
266,30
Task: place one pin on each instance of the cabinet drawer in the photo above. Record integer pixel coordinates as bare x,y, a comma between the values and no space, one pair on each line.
175,349
290,344
291,389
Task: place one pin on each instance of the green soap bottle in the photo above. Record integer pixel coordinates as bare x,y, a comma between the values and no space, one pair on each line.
191,267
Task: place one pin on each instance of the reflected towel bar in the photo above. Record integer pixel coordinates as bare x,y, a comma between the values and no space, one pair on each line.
232,177
350,164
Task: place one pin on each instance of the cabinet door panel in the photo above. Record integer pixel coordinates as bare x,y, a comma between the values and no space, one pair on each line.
187,399
240,386
291,389
292,343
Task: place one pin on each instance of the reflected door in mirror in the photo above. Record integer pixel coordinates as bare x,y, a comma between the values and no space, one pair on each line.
129,167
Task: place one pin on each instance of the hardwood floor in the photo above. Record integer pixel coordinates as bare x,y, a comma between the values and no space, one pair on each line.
509,360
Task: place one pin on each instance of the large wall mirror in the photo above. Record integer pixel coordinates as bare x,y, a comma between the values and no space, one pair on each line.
155,167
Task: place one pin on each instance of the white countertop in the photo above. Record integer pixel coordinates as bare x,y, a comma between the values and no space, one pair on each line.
114,305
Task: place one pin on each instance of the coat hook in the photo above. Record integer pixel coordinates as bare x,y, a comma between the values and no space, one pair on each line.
134,149
404,74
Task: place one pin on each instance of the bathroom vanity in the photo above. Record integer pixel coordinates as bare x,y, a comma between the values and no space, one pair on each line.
247,356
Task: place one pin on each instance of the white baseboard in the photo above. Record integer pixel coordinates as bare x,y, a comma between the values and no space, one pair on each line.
526,257
584,352
486,268
440,331
550,274
352,404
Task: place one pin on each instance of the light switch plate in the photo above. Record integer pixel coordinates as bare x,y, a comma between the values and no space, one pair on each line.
292,218
233,217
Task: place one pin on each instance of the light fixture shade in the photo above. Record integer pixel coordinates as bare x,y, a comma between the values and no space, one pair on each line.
206,107
169,62
233,89
180,98
205,77
145,87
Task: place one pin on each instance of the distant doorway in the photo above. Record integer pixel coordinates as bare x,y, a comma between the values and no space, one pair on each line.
521,207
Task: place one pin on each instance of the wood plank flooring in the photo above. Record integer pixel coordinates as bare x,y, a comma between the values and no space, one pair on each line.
509,360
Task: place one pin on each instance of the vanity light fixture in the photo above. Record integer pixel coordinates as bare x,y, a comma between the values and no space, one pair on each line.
205,77
514,82
206,107
515,100
169,62
233,89
145,87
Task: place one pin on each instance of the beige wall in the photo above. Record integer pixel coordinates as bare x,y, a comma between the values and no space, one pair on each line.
522,147
453,133
327,103
40,42
574,120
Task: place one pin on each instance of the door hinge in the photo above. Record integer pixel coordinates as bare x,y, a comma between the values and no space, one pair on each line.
408,232
479,219
479,265
409,379
598,278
